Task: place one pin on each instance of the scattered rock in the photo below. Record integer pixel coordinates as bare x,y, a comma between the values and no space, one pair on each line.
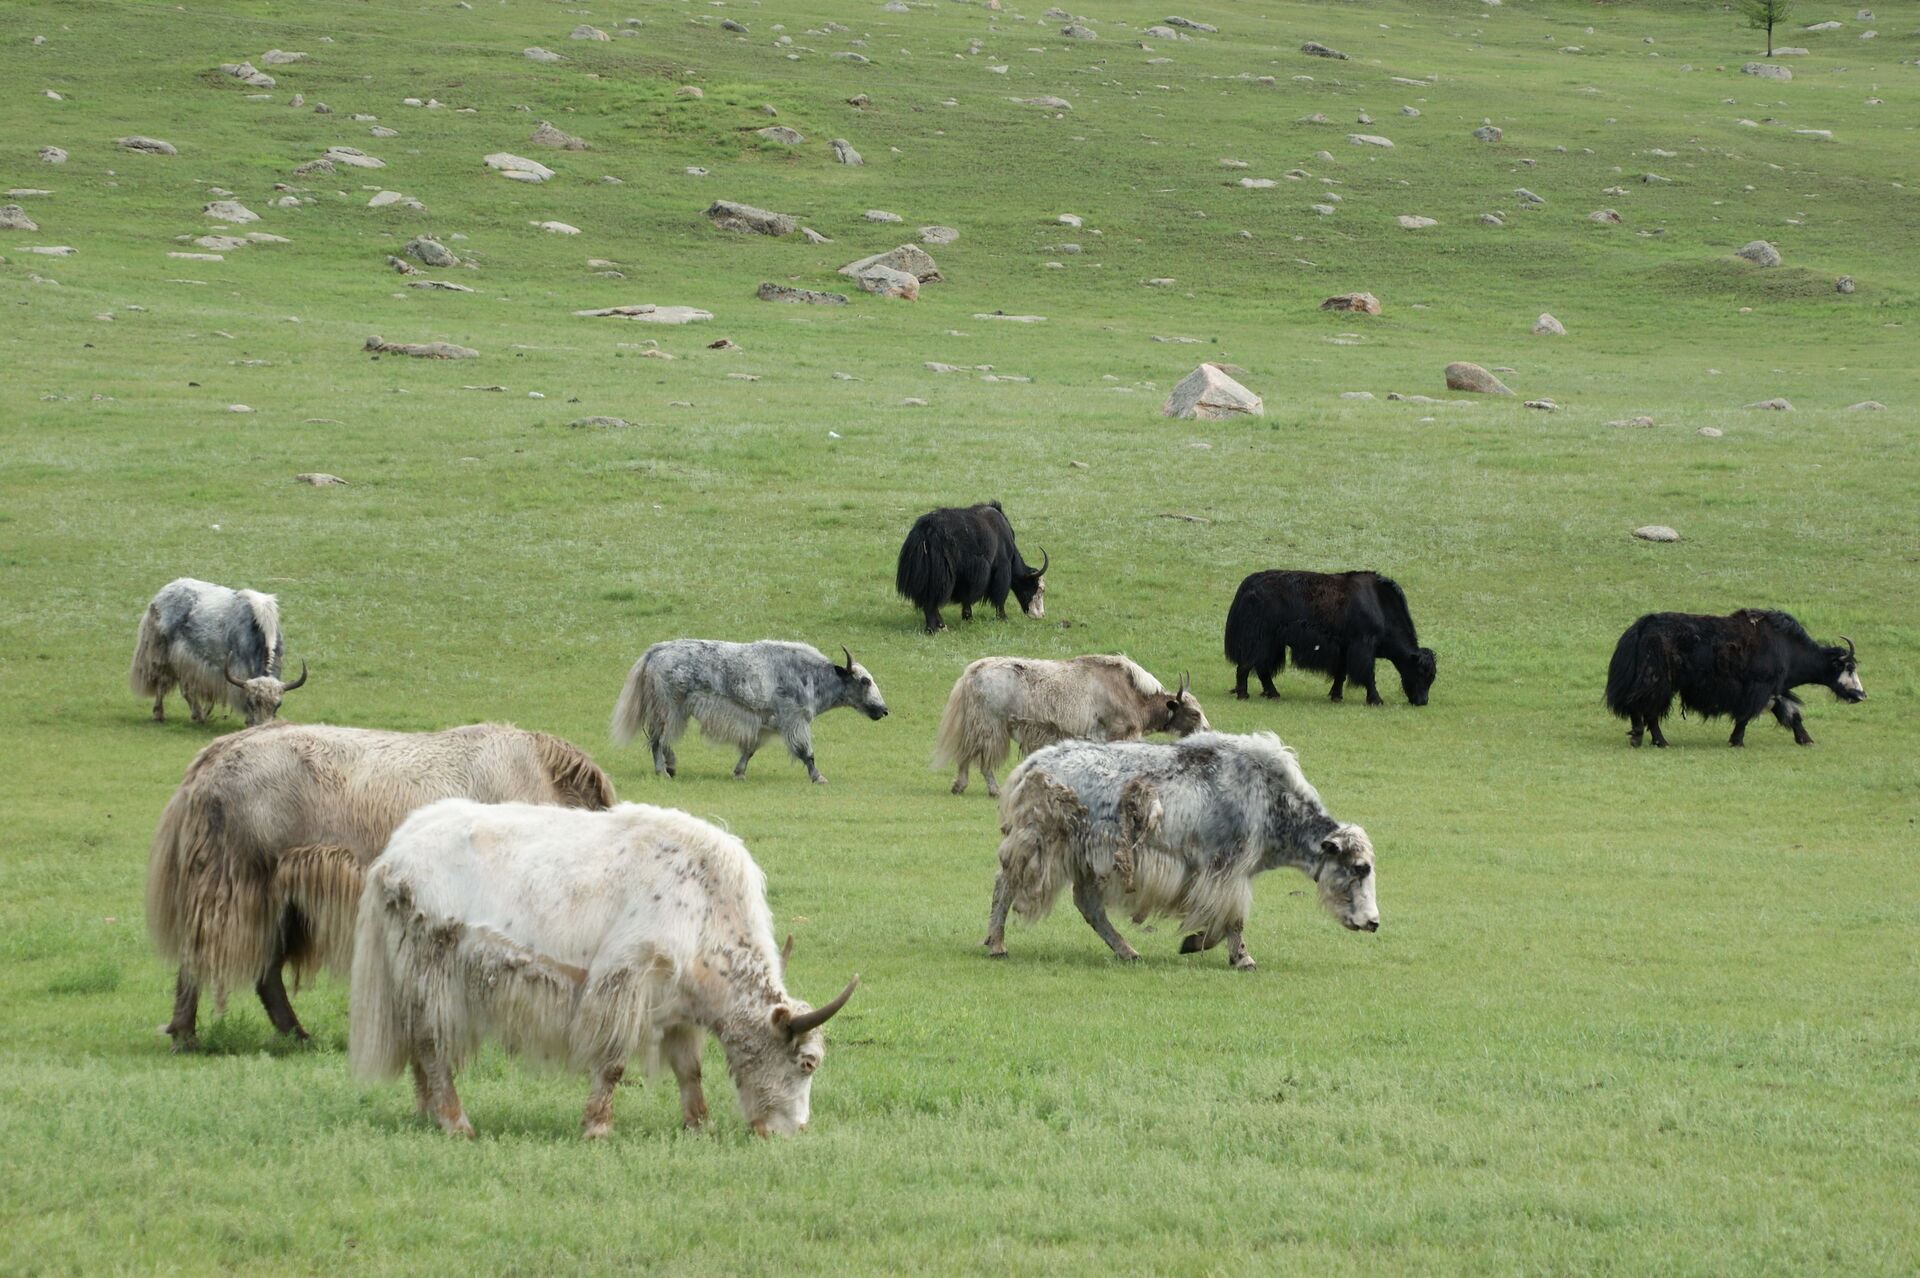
1074,31
1191,25
319,479
1412,223
729,216
229,211
1011,319
548,135
430,252
781,134
248,75
1368,139
239,408
1767,71
599,423
1656,532
220,243
519,168
1548,326
651,314
1209,394
446,286
381,199
690,91
280,58
1776,404
1844,284
1048,101
1866,406
1315,49
53,155
1490,219
1637,423
1760,253
843,152
884,281
558,228
770,292
1544,405
14,218
1488,133
1365,303
382,131
910,258
938,234
1711,432
420,350
1462,376
1522,193
150,146
812,236
1606,216
585,32
1356,394
352,157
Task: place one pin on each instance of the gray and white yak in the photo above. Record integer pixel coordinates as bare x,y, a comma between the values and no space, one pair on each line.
258,859
578,939
196,635
1177,829
740,694
998,701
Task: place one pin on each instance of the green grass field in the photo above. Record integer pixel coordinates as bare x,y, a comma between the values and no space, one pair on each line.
1628,1012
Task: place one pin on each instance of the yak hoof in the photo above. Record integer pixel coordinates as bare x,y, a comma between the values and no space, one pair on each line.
999,953
595,1131
1633,739
959,787
1245,963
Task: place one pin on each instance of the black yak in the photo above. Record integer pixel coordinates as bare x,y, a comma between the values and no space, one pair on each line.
964,554
1336,623
1742,665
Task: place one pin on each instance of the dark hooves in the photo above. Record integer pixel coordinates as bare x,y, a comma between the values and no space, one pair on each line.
1191,944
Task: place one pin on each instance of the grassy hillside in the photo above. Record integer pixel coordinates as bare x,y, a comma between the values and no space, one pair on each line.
1628,1012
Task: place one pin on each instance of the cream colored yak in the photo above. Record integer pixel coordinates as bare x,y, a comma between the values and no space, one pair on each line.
580,939
259,854
998,701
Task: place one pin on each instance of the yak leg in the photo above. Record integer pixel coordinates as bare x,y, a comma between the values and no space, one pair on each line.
966,612
799,738
1739,737
422,1092
598,1120
1086,895
1653,730
1240,674
1359,664
993,787
1197,943
1786,708
159,707
434,1076
663,761
960,782
199,708
681,1045
1636,726
996,941
184,1027
933,624
1237,950
272,989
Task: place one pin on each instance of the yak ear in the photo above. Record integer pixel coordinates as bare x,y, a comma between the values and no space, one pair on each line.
780,1017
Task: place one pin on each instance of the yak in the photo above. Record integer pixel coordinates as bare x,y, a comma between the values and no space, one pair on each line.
963,555
578,938
998,701
1335,623
1177,829
194,635
1741,665
740,694
259,856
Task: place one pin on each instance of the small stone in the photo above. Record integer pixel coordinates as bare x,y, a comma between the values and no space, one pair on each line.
585,32
509,165
771,292
938,234
1364,303
913,402
1522,193
53,155
1544,405
599,423
1548,326
1488,133
430,252
1313,48
689,91
1766,71
1368,139
1711,432
229,211
319,479
729,216
1759,252
1656,532
1489,219
420,350
1413,223
1776,405
547,135
1604,216
1636,423
780,134
1866,406
151,146
1844,284
844,153
1356,394
1462,376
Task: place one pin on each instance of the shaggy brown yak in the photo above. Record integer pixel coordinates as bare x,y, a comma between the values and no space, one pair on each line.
259,856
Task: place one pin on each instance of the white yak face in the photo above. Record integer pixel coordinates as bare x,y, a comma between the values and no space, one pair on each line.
774,1077
262,696
1346,879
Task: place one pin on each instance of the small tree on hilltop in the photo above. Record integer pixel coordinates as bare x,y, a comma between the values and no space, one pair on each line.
1761,15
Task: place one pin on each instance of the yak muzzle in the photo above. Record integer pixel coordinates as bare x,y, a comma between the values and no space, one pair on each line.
1371,925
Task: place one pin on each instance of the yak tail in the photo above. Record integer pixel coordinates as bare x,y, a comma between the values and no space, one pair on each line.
1639,678
576,777
209,901
378,1043
924,573
1046,830
152,673
639,705
266,624
315,895
967,733
1250,638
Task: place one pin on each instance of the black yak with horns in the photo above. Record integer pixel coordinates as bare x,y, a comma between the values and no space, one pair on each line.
963,555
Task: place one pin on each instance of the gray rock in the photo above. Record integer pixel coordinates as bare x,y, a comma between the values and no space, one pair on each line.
319,479
1656,532
585,32
910,258
1190,24
511,165
1315,49
1462,376
843,152
1608,216
1760,253
1866,406
352,157
1844,284
1488,133
771,292
1637,423
1710,432
881,215
1074,31
599,423
247,74
883,281
229,211
1767,71
1209,393
651,314
1356,394
781,134
938,234
1165,33
280,58
430,252
1489,219
537,54
738,28
1776,405
1548,326
548,135
420,350
1414,223
1048,101
53,155
14,218
150,146
1410,112
850,57
1522,193
1368,139
813,237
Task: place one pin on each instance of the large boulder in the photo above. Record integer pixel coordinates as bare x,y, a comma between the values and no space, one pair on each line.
510,164
884,281
1364,303
1760,253
1462,376
911,258
548,135
1767,71
430,252
729,216
14,218
1209,394
843,152
781,134
151,146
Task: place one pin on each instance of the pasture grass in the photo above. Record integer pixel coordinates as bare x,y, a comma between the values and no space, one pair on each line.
1629,1012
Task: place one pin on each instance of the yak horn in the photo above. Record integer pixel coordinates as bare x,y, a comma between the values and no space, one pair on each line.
1044,561
821,1015
1849,643
786,952
1186,683
848,656
227,670
297,682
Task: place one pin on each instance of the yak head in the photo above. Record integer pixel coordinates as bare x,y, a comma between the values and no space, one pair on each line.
1030,588
1184,715
857,688
1416,675
1843,673
773,1062
260,695
1343,867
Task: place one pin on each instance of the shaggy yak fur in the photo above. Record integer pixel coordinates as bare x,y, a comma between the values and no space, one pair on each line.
578,939
258,859
1335,623
963,555
215,645
1001,700
1177,829
740,694
1741,665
